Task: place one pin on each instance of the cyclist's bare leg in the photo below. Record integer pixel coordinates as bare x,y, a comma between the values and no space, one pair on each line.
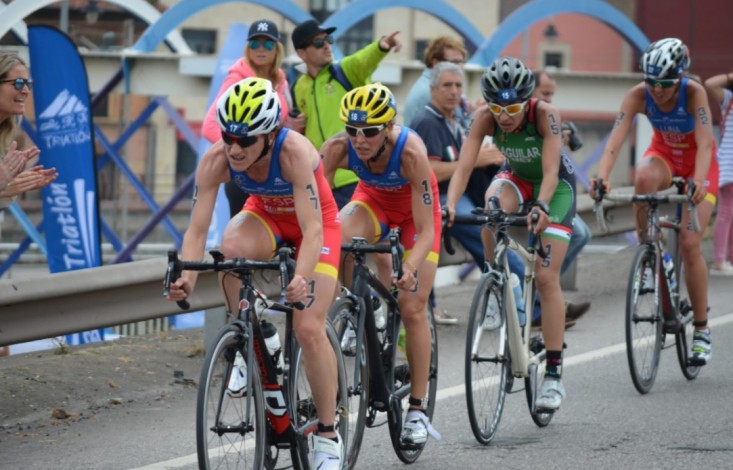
696,270
234,243
550,292
318,357
413,307
509,202
652,174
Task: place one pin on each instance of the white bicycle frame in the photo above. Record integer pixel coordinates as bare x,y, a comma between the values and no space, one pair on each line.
518,336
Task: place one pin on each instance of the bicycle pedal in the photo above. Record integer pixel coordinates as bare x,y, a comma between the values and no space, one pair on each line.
546,411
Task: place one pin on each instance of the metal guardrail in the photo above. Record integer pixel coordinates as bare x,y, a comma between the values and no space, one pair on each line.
51,305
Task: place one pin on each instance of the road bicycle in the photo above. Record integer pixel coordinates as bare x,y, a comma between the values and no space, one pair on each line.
656,305
499,348
378,373
275,408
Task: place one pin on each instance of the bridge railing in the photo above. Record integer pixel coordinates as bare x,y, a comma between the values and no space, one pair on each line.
49,305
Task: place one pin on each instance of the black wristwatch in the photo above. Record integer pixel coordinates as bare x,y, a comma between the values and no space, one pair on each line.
543,206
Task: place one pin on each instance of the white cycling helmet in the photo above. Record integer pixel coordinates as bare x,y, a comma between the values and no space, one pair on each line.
665,59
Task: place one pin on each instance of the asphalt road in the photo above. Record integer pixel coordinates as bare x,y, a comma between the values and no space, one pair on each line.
603,423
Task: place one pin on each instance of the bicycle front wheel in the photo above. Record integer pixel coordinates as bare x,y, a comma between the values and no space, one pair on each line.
343,317
304,405
230,412
487,360
402,387
644,324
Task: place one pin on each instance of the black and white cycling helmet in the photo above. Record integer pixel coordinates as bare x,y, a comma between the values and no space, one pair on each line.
665,59
507,80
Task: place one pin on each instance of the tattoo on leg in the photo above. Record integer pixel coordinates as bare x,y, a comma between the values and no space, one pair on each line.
311,293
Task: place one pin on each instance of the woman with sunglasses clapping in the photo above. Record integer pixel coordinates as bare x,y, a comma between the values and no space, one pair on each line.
263,56
682,145
15,179
527,132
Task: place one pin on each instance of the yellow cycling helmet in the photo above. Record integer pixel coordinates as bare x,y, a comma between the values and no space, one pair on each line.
249,107
368,104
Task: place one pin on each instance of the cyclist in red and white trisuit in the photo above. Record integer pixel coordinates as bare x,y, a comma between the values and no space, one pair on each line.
397,188
290,201
682,145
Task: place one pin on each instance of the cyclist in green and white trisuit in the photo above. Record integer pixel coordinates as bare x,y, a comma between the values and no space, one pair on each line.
527,131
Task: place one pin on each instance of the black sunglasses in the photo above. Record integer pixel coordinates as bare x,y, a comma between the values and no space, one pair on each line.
243,142
19,83
320,42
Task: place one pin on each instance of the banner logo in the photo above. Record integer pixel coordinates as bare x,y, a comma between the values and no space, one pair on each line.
64,122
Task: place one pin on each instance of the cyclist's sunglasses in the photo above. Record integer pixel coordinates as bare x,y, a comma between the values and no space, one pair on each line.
268,44
510,109
670,82
369,131
19,83
320,42
243,142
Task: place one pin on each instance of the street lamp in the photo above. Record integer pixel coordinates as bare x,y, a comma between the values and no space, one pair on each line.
91,12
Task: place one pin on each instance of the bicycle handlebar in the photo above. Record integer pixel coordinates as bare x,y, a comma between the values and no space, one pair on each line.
493,216
359,245
283,263
645,198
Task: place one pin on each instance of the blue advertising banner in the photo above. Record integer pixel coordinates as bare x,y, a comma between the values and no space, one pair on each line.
63,121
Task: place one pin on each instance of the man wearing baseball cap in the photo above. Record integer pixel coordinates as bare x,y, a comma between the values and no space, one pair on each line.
318,92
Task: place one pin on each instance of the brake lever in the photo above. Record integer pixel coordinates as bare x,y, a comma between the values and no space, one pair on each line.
173,273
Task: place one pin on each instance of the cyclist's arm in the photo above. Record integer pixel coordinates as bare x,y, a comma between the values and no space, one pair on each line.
298,160
632,104
704,138
548,121
716,85
334,153
481,127
416,169
210,173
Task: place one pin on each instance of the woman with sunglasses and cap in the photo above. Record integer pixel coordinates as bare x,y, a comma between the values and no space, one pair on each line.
290,202
682,145
263,56
527,131
397,188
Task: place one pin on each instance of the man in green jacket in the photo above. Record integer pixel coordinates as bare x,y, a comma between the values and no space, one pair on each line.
318,92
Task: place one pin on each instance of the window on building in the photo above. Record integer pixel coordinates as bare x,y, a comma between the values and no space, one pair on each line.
358,36
554,59
201,41
420,46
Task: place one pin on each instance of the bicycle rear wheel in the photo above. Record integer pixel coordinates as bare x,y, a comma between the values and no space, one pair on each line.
644,332
343,317
230,428
304,405
683,338
402,387
533,383
486,360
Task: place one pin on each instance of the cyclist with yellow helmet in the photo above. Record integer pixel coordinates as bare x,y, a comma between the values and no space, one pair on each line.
290,201
397,188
